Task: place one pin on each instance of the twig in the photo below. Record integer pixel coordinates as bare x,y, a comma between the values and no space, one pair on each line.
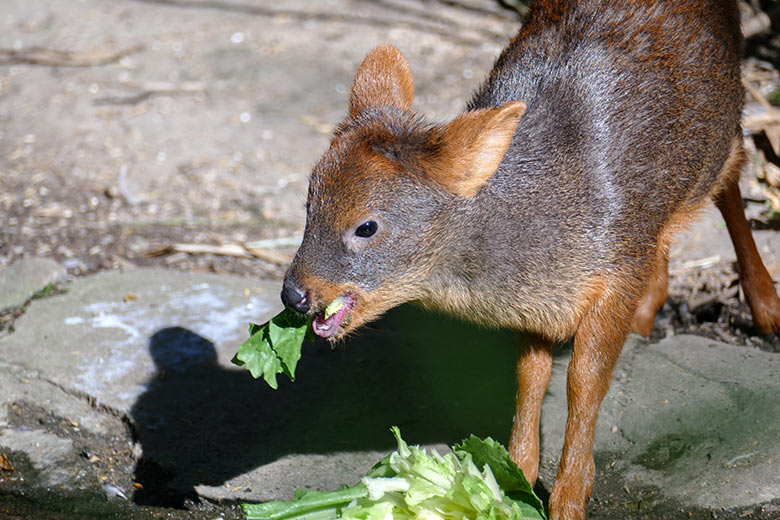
129,197
271,243
129,100
270,257
757,95
756,24
756,122
168,90
123,262
236,250
697,301
57,58
696,264
223,250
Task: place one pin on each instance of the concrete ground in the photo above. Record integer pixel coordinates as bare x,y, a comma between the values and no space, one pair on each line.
134,367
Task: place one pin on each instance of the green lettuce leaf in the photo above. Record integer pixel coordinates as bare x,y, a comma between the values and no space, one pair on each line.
412,483
509,477
308,505
275,346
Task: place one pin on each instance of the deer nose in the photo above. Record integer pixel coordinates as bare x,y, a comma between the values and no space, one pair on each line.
295,298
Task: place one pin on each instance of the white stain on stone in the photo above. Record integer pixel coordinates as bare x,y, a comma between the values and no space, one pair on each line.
106,320
204,310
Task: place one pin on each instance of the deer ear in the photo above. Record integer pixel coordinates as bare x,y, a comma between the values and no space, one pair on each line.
383,79
473,145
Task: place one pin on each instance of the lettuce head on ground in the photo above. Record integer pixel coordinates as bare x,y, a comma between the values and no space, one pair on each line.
477,481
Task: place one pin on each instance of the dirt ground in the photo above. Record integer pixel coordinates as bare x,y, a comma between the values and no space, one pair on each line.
143,132
131,126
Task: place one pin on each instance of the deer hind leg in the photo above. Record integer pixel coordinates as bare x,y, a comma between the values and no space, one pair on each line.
654,296
753,277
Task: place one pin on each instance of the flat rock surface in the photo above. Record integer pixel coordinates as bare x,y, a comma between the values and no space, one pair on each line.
20,281
695,418
690,421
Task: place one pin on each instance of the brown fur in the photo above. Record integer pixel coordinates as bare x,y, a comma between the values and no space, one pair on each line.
552,215
473,146
534,367
385,79
756,283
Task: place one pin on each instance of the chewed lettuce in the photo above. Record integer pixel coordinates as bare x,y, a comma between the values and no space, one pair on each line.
412,483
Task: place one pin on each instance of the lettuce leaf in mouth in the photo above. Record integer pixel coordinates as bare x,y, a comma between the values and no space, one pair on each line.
334,306
275,346
412,483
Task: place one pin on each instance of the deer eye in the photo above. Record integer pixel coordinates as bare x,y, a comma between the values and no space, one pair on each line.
366,229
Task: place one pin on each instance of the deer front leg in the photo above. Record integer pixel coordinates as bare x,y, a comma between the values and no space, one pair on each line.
597,345
534,365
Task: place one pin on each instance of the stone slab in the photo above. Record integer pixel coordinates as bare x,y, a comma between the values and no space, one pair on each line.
695,418
20,280
102,336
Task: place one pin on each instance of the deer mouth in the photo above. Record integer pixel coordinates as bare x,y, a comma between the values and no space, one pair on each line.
337,314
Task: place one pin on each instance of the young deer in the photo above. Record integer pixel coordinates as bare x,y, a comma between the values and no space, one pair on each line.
548,206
